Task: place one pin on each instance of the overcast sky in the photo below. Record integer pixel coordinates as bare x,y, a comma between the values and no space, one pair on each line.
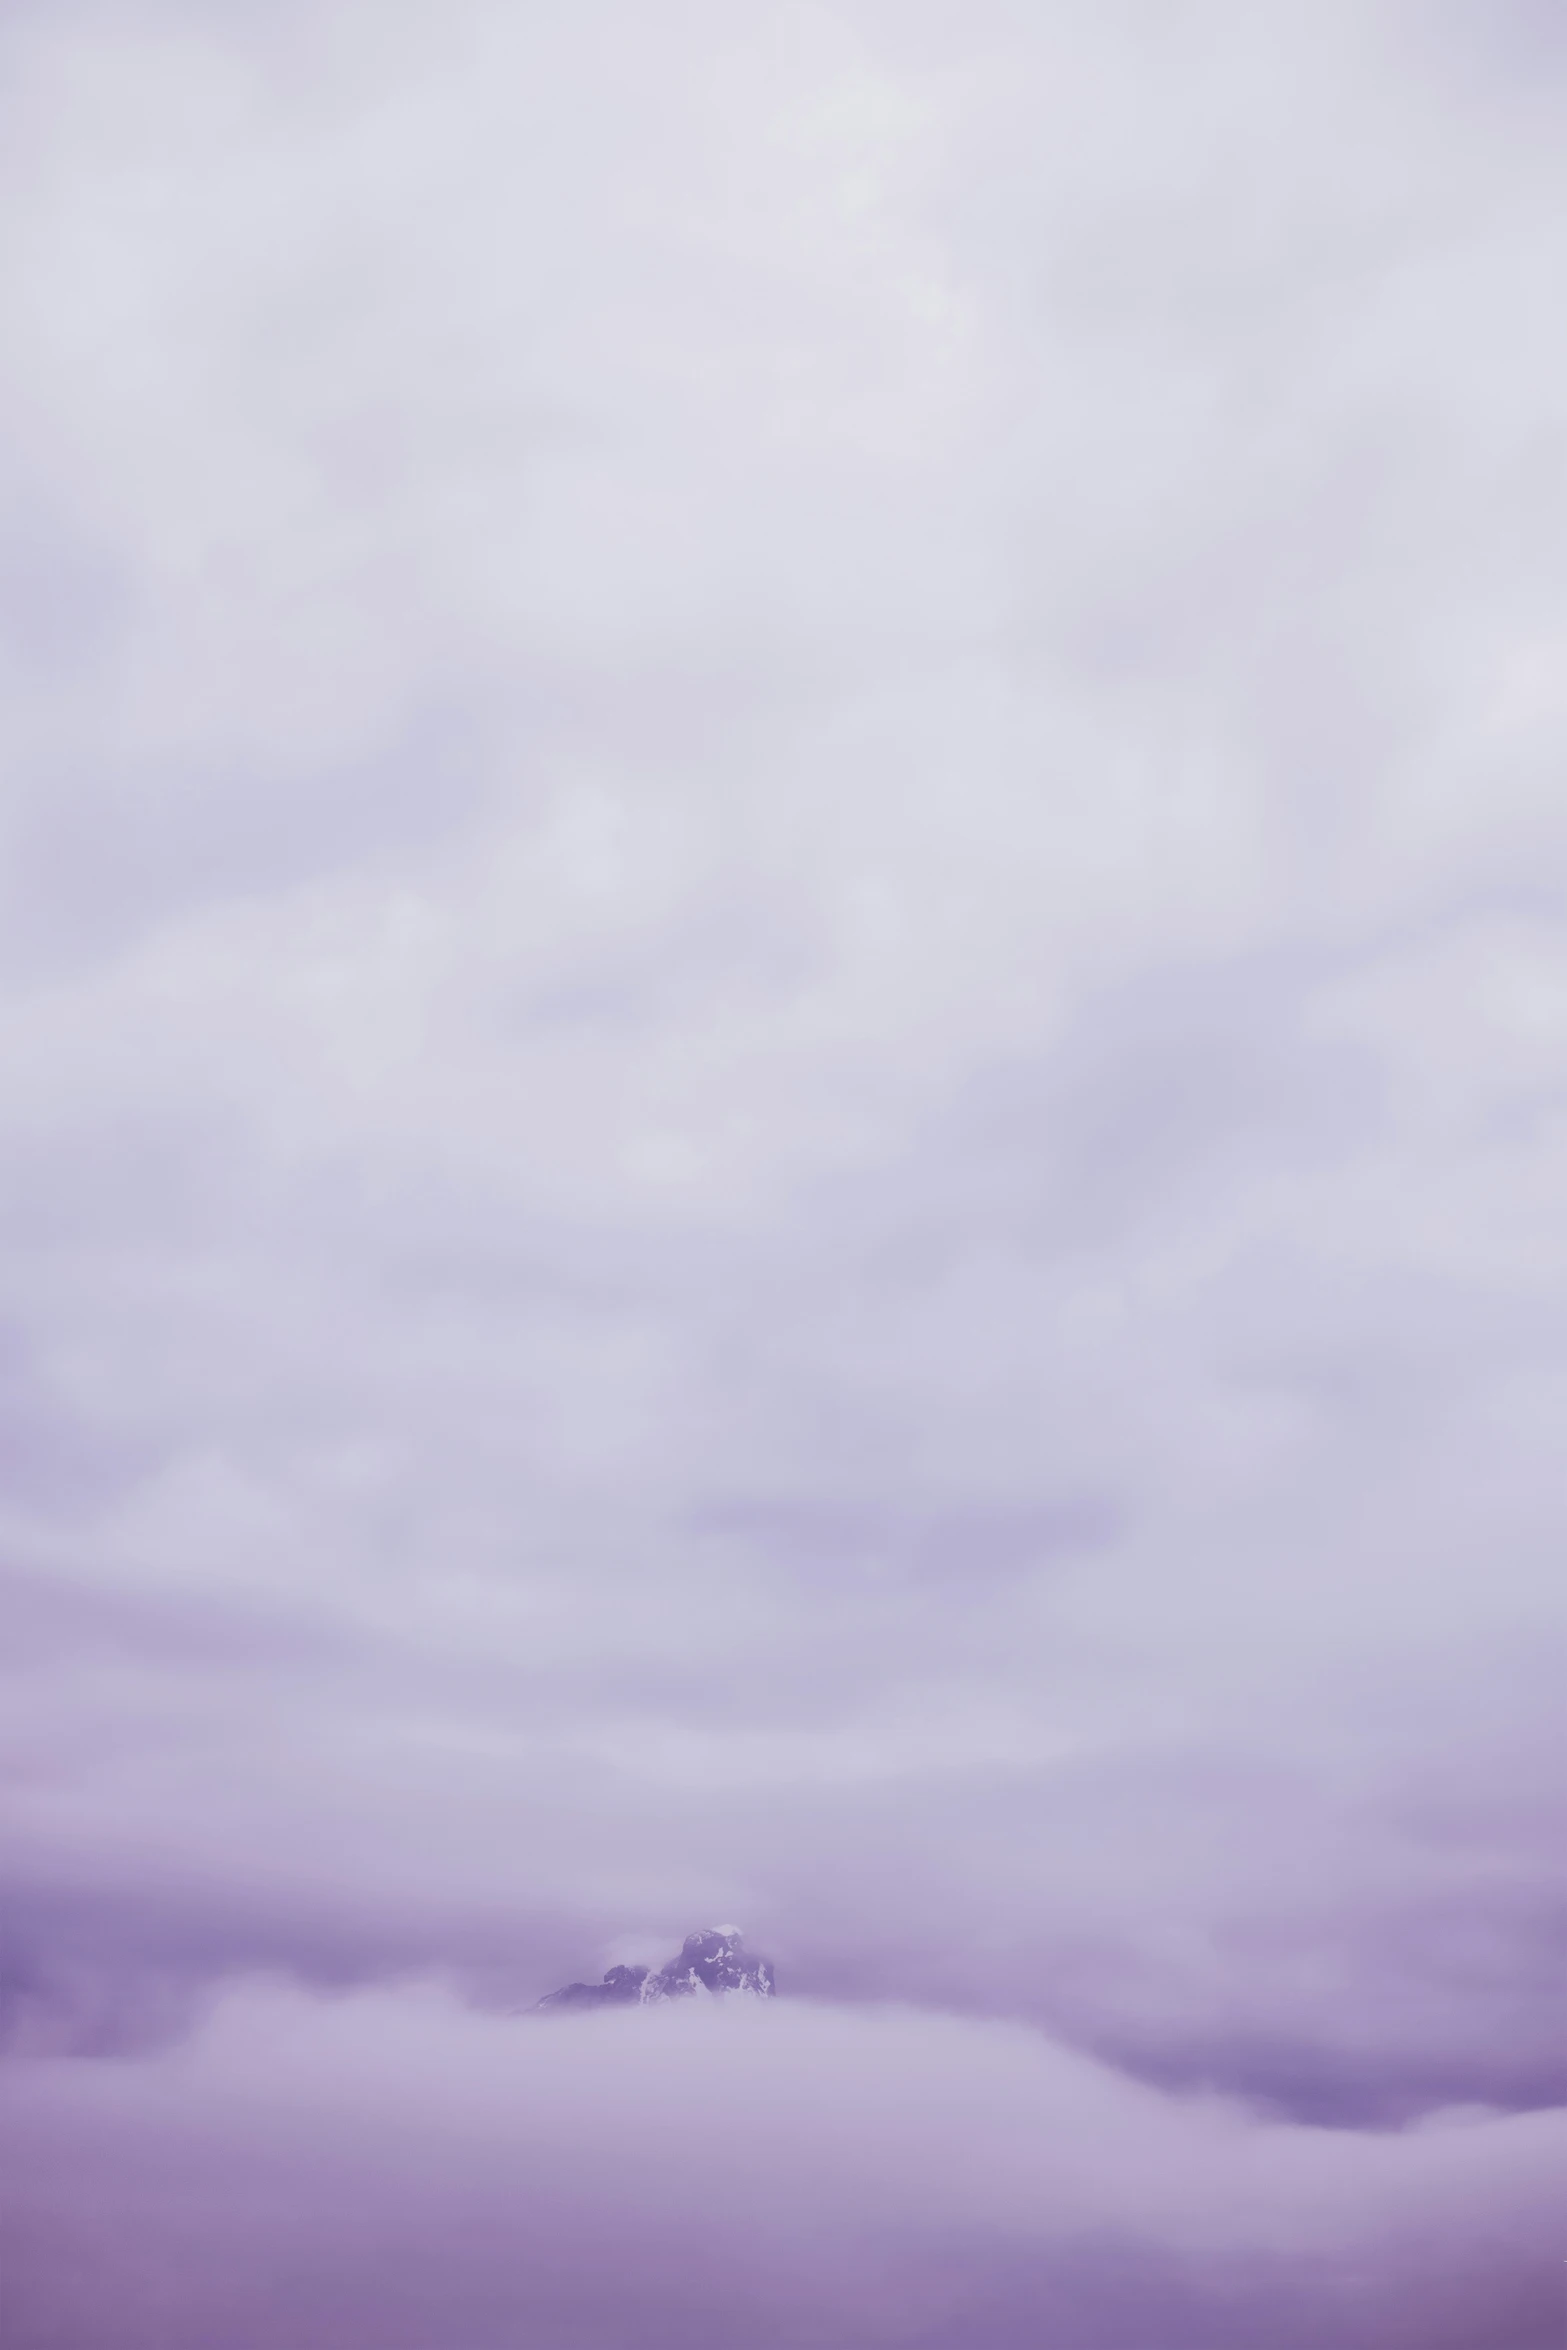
783,1129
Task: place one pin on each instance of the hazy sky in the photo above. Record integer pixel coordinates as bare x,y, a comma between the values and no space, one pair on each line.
783,1135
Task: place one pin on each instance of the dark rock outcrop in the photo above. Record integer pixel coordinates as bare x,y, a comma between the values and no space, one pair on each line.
713,1960
620,1988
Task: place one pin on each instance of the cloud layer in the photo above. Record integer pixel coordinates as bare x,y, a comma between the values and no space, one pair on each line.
782,1101
390,2171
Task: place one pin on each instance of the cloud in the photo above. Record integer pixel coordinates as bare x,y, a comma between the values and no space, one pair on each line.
782,998
386,2169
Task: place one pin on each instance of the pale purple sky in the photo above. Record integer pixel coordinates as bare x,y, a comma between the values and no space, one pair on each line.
783,1067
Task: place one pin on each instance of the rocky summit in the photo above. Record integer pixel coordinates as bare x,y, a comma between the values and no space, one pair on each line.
713,1960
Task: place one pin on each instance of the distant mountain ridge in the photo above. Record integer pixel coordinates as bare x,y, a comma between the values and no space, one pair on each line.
714,1959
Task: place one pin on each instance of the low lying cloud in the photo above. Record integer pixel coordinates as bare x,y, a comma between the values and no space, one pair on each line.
388,2170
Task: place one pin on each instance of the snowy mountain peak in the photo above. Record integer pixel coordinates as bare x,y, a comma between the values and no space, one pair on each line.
712,1960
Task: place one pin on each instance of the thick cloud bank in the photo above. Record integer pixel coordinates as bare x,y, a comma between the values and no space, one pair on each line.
388,2172
783,1119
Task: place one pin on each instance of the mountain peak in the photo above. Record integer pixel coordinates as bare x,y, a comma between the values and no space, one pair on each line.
713,1960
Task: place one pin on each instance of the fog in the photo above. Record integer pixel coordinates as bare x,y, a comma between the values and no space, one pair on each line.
387,2169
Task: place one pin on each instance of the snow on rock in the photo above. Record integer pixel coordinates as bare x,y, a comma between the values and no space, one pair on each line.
712,1960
